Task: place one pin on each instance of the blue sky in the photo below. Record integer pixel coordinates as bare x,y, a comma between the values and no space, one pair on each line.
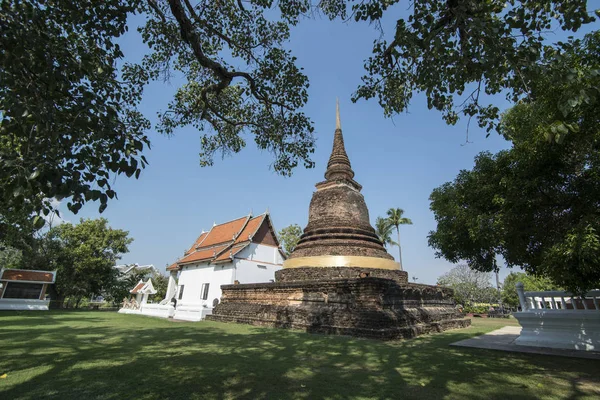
398,161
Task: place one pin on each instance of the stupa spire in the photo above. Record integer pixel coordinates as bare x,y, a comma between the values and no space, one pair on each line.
338,122
338,167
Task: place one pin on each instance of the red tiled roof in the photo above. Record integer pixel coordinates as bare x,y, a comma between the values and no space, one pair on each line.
250,228
29,276
225,232
137,287
203,254
226,255
222,241
197,243
173,267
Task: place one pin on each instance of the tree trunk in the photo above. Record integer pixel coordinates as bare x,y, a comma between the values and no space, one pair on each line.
399,248
498,288
59,302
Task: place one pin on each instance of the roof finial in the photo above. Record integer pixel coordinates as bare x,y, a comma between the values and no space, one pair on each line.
338,122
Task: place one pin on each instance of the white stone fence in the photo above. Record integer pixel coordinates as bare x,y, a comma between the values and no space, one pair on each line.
557,300
153,310
24,304
559,319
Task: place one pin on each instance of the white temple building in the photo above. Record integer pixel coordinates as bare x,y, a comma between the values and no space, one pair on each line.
25,289
244,250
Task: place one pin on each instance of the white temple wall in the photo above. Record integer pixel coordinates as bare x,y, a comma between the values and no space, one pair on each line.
255,272
257,263
192,278
261,253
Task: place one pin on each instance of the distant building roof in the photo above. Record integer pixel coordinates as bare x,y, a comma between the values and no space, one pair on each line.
126,269
25,275
225,240
144,287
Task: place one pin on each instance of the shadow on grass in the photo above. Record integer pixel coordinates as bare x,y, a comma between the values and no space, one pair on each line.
112,356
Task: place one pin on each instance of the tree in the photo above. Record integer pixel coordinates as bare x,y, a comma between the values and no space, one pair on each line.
384,228
69,118
120,285
396,219
454,51
289,236
537,203
469,286
161,284
9,257
83,255
531,283
70,121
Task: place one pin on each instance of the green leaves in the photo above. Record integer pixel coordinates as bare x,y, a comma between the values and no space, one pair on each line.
536,204
289,237
68,121
384,229
530,282
239,79
469,286
84,255
456,51
34,174
38,222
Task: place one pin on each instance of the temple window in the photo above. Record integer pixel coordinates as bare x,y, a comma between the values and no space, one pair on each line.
204,291
19,290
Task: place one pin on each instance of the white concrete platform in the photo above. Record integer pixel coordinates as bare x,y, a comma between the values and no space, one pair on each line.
504,339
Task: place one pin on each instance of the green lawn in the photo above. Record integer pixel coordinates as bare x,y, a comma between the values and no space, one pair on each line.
101,355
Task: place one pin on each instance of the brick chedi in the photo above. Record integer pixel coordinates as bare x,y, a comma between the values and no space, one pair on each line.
339,232
340,279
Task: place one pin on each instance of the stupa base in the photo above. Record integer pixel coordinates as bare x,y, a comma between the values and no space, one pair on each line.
368,307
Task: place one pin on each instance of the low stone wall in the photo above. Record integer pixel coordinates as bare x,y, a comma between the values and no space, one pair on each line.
24,304
191,312
158,310
560,329
325,273
368,307
151,310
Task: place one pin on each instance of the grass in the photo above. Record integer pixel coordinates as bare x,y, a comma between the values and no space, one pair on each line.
102,355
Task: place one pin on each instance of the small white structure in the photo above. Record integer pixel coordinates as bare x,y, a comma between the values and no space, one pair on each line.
559,320
140,304
25,289
244,250
142,290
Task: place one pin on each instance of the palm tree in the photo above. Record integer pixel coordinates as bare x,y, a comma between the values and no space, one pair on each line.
383,229
396,219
